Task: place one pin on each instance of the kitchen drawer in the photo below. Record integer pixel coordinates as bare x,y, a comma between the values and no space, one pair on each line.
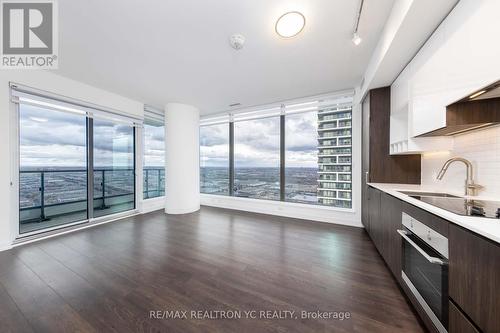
430,220
474,277
458,322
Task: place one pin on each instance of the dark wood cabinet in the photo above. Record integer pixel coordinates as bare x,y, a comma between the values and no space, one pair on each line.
474,277
377,165
474,262
391,209
365,133
374,221
458,322
385,168
384,219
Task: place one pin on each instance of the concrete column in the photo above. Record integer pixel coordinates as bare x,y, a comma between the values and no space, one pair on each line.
182,158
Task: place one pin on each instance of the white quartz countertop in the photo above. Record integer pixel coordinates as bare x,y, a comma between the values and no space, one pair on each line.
486,227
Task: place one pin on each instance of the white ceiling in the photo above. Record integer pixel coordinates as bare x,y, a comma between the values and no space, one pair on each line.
177,51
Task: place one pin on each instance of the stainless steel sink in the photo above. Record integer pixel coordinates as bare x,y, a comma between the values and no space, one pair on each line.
429,194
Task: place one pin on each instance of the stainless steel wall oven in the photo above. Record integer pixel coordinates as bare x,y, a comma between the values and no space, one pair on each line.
425,268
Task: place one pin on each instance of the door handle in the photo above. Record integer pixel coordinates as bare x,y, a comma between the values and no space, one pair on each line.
432,260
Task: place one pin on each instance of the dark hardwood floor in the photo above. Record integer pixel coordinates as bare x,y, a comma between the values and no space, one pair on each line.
108,278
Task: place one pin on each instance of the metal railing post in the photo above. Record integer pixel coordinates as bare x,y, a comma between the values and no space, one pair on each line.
103,206
159,182
42,196
147,183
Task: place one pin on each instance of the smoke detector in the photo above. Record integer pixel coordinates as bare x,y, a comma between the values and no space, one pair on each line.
237,41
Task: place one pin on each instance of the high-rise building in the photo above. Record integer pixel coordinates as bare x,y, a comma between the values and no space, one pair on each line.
335,156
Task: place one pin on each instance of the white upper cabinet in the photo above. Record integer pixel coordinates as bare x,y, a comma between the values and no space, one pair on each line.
462,56
399,108
473,49
427,85
401,138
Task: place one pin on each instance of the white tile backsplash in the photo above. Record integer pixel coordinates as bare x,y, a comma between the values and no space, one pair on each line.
482,148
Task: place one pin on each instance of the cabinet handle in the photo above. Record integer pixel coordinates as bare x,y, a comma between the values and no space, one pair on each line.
367,180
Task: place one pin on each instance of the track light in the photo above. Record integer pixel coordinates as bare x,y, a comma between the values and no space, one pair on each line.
356,40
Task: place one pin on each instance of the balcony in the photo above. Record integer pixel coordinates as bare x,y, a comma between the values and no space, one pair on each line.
50,198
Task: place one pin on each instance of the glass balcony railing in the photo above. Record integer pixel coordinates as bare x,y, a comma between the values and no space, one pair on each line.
44,195
154,182
49,198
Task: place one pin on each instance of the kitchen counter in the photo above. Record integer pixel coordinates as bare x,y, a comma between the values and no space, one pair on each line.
486,227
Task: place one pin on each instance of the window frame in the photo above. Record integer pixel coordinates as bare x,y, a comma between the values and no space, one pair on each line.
108,114
282,166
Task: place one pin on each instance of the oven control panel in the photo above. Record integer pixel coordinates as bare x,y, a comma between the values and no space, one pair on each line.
425,233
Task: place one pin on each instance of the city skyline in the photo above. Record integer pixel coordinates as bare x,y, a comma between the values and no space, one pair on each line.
317,165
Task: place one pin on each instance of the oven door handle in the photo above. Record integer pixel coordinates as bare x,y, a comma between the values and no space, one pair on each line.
432,260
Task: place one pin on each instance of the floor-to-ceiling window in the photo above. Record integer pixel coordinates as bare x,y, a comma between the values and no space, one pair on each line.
214,159
114,167
69,153
301,157
52,168
294,152
257,158
154,154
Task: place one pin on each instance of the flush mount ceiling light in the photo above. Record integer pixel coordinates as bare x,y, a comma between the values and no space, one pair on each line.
290,24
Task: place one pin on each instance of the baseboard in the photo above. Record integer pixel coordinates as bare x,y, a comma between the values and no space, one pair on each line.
150,205
179,211
301,211
5,247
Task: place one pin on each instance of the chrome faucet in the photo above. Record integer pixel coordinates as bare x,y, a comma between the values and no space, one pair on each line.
470,187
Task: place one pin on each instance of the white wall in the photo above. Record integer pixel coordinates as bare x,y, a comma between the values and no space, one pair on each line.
482,148
50,82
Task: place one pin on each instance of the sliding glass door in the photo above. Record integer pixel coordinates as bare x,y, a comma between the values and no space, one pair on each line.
52,168
68,155
114,168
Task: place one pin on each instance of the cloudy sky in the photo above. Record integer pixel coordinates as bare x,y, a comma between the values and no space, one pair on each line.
214,146
154,145
257,142
51,138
